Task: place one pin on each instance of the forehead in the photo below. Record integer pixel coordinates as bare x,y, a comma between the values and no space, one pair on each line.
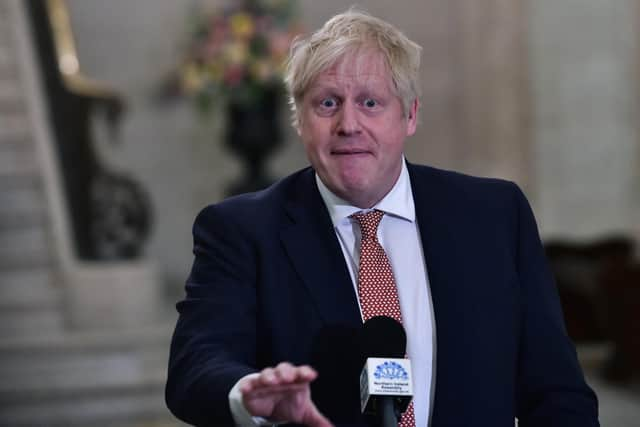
365,67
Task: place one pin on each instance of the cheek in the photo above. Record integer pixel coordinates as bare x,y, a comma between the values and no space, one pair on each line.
314,138
313,148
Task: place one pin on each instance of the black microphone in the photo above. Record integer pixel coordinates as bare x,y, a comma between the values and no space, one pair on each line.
386,386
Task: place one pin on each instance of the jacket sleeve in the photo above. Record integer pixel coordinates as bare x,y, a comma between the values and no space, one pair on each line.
213,345
551,390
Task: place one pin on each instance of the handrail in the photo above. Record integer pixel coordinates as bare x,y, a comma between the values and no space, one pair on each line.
66,55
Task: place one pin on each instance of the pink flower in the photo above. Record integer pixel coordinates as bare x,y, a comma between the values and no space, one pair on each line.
279,43
234,75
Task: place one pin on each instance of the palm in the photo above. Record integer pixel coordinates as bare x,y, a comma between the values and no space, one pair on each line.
283,394
289,404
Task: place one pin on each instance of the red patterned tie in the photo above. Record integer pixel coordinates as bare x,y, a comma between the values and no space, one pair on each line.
376,286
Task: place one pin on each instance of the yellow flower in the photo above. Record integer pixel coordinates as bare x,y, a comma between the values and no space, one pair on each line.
242,25
261,70
215,71
237,52
191,78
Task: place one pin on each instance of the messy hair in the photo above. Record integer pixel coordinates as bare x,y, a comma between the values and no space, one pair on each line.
345,34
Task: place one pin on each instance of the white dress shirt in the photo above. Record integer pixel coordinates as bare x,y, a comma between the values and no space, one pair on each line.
399,235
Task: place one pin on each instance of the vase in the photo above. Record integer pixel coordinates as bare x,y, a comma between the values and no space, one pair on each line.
253,134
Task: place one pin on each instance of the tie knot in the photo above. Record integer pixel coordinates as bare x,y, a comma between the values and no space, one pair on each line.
369,222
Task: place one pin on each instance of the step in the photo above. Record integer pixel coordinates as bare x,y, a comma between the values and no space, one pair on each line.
80,374
18,158
14,126
11,91
4,12
22,203
110,379
24,248
28,289
8,59
108,409
20,194
5,27
7,66
11,95
147,342
14,220
34,322
8,71
70,369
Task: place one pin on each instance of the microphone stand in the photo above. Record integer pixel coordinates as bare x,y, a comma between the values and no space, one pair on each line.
388,416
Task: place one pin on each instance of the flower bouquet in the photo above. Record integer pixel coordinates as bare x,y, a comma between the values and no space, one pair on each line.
236,54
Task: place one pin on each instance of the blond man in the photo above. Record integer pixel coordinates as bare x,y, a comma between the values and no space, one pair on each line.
281,280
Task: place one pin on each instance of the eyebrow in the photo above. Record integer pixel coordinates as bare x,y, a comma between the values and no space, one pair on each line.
375,89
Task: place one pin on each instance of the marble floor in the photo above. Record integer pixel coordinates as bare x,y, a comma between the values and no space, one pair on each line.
619,405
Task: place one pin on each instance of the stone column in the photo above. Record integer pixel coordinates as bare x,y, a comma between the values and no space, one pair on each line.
475,115
492,93
584,58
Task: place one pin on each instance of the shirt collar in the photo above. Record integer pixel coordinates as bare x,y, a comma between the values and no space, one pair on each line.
398,202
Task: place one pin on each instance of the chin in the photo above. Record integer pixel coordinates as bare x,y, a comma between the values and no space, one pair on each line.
356,191
353,179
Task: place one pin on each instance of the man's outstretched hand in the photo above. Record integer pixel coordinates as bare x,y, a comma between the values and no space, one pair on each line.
283,394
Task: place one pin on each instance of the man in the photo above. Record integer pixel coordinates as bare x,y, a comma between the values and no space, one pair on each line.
283,278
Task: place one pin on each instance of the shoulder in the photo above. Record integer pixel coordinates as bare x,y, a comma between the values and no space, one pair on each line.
476,204
458,186
261,208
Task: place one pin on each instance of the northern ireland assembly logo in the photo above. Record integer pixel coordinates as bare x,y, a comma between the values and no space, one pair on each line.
390,370
385,377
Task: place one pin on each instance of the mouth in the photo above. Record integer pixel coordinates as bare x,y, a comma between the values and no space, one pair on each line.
349,152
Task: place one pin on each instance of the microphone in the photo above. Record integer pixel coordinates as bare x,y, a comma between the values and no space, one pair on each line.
386,386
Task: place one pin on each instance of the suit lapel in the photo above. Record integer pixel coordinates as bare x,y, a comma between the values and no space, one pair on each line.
434,211
313,248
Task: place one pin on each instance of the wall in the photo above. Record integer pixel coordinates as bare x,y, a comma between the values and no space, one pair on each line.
501,79
176,155
584,68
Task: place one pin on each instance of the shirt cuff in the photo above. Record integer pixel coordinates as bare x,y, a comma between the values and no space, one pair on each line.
241,416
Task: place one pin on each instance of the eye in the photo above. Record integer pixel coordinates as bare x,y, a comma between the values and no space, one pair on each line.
370,103
328,103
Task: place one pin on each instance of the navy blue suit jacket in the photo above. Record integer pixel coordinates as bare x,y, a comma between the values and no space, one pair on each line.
269,283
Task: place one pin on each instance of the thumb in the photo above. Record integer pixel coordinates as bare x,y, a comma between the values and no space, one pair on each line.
314,418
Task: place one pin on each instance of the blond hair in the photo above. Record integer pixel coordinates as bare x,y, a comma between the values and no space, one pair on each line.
346,33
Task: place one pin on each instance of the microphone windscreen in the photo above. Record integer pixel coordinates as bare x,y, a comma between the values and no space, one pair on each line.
382,336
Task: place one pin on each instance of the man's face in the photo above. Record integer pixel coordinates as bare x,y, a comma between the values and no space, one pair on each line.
353,128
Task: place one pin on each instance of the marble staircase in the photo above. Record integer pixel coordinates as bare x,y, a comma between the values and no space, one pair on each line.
59,366
29,297
105,379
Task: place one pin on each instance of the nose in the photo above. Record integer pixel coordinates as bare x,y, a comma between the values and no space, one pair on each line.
347,123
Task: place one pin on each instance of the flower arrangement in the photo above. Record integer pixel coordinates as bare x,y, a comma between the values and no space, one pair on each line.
236,54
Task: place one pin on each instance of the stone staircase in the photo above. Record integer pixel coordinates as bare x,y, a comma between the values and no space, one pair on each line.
29,297
53,372
85,379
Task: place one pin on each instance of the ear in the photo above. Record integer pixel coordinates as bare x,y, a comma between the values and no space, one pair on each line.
412,117
298,121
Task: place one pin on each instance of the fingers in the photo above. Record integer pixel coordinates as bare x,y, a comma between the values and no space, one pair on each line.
287,373
313,418
282,376
283,394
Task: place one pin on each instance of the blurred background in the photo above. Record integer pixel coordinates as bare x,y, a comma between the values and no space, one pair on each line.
120,120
